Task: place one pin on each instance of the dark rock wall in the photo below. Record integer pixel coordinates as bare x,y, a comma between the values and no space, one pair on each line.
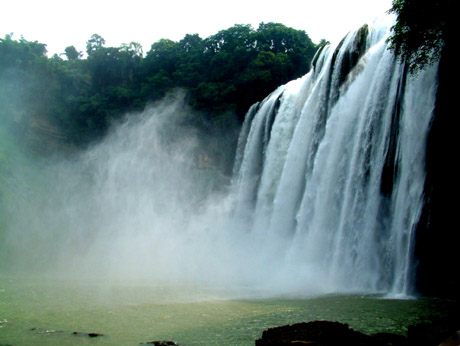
438,243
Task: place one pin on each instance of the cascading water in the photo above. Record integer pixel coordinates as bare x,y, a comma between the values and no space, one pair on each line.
325,197
332,182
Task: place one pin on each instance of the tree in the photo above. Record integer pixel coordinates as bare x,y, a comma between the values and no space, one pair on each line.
133,48
422,29
296,44
163,55
191,67
72,54
94,43
237,38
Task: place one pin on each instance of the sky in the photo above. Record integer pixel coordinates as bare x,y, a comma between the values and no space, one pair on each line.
63,23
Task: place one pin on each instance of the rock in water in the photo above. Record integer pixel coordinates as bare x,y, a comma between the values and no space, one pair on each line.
160,343
325,333
91,335
314,333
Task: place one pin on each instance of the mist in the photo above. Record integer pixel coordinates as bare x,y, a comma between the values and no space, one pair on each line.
150,203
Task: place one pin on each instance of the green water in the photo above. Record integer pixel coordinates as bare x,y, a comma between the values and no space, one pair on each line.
47,312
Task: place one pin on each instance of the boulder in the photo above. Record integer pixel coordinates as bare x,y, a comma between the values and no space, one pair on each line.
325,333
316,333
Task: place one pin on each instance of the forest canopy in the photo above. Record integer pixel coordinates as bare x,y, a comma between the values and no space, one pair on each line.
82,93
79,94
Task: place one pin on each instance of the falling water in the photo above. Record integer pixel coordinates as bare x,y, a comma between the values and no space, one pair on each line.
332,168
325,196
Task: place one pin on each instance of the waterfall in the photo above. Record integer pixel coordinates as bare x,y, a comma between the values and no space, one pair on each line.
326,192
330,167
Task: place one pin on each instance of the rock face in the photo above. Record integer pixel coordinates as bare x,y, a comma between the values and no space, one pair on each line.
437,239
325,333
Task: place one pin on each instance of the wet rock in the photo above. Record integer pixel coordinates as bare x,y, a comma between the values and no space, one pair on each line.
91,335
325,333
433,333
317,333
389,339
453,340
160,343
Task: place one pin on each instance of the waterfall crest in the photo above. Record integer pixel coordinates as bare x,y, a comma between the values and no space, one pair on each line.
330,171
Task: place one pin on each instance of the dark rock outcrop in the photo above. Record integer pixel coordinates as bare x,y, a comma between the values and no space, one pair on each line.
316,333
327,333
438,238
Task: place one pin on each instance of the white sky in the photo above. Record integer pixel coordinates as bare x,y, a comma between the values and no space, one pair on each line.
61,23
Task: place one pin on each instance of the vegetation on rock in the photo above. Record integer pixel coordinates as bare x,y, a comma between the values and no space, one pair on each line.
422,29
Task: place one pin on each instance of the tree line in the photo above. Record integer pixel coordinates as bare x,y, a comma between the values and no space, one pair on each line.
82,94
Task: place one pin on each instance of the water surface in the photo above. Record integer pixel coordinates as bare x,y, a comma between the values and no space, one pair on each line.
47,312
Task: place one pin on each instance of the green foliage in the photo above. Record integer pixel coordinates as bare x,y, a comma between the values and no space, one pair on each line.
25,78
251,63
78,98
94,44
72,54
134,49
422,29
